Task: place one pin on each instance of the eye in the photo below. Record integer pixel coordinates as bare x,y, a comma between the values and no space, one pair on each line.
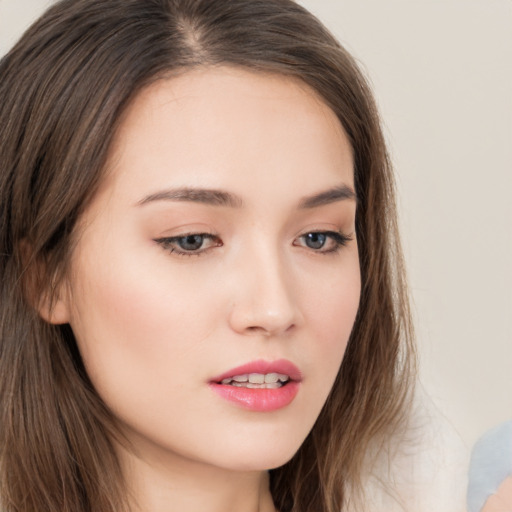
323,241
189,244
315,240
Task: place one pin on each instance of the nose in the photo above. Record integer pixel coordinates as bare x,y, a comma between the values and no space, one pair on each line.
264,301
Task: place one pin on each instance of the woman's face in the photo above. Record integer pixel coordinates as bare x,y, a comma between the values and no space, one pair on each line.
221,244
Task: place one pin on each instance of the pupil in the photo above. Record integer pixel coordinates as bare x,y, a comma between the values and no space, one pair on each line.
191,242
315,240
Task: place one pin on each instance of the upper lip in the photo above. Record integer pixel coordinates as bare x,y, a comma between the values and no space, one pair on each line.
281,366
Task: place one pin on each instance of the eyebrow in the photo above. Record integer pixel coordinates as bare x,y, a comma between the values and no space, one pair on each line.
340,193
195,195
215,197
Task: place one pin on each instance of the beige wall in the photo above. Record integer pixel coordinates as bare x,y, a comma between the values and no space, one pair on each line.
442,71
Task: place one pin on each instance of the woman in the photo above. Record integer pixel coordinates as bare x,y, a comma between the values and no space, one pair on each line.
203,302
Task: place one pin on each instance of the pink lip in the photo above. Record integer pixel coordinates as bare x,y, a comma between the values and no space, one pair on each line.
260,400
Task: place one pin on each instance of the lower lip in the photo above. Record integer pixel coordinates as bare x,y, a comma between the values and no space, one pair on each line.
258,400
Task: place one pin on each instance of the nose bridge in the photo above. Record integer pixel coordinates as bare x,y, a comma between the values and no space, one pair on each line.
264,301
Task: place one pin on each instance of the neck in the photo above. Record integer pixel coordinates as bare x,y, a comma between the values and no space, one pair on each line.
169,482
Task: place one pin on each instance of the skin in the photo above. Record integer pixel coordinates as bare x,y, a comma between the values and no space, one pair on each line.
154,326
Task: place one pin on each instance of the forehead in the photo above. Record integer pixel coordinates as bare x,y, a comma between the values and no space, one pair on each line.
221,126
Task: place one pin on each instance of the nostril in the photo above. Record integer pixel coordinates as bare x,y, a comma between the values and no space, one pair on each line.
267,331
258,330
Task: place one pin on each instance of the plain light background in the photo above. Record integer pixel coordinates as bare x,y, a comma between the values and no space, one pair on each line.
442,75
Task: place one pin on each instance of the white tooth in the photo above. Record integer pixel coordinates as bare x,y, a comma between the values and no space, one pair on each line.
252,385
283,378
241,378
256,378
271,377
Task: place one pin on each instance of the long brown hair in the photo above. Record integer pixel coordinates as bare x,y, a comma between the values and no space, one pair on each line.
64,87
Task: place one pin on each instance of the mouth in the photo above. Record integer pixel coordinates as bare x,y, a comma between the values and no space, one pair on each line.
257,380
260,386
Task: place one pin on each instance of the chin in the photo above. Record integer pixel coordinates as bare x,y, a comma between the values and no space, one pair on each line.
259,457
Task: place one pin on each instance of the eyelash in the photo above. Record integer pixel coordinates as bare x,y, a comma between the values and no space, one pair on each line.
170,244
337,237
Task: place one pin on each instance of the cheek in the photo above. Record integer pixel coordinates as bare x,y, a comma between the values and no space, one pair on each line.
331,306
334,311
134,319
337,327
330,315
